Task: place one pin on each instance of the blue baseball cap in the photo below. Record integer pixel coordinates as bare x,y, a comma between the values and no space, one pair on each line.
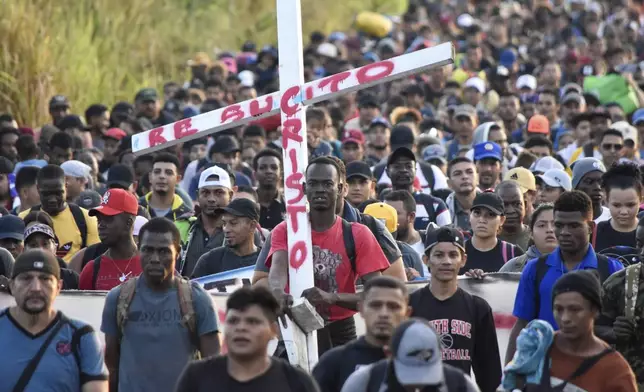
434,151
638,116
507,58
488,150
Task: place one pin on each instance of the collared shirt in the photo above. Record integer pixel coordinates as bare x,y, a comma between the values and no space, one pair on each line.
462,216
524,303
271,216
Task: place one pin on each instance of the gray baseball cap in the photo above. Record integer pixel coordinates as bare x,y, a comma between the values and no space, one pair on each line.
416,352
584,166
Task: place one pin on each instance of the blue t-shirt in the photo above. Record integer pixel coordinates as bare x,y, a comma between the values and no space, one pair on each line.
155,347
58,370
524,303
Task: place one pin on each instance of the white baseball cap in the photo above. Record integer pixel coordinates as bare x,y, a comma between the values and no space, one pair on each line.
544,164
476,83
557,179
215,176
327,49
527,81
628,131
246,78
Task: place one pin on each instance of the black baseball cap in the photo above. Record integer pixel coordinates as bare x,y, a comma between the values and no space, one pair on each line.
359,169
36,260
12,227
368,101
402,136
146,95
490,201
225,144
120,176
58,101
444,234
244,208
401,152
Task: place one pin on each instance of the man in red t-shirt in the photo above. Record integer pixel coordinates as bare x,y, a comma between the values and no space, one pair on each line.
116,216
334,294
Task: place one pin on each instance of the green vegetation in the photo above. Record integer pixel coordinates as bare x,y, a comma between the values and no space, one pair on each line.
104,50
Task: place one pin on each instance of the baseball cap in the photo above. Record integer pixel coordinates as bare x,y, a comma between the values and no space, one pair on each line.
444,234
353,136
146,94
12,227
401,152
215,176
475,83
538,124
40,228
488,150
380,121
573,97
416,352
544,164
572,87
434,151
384,213
88,199
120,176
76,169
523,177
465,110
58,101
628,131
638,116
526,81
116,201
36,260
490,201
358,169
401,136
115,133
138,223
368,101
241,207
557,179
507,58
246,78
584,166
225,144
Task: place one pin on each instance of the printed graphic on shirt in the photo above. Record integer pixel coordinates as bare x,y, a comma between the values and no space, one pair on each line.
325,264
154,319
63,250
64,348
446,329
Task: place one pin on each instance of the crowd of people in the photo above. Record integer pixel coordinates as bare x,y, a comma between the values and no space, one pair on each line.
525,156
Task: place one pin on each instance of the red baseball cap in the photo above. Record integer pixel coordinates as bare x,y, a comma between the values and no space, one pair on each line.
353,136
116,201
115,133
538,124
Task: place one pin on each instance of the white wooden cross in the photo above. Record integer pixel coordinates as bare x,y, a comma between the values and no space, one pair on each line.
290,101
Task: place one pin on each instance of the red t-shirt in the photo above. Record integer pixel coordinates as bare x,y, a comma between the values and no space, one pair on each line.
331,265
109,273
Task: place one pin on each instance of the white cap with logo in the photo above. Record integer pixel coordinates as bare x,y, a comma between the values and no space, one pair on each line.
215,176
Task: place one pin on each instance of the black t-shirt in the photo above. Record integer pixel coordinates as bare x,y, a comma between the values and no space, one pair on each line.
466,327
211,375
222,259
493,259
607,237
336,365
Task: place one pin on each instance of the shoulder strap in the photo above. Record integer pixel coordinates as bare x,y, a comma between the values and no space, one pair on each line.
603,267
97,267
377,374
585,366
589,150
35,208
76,339
378,170
186,306
541,269
504,251
428,173
126,295
632,281
26,375
79,218
349,243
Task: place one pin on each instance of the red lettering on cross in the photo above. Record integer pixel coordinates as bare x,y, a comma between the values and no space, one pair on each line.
294,181
183,128
291,131
256,110
297,255
334,81
232,113
292,211
289,94
375,71
155,137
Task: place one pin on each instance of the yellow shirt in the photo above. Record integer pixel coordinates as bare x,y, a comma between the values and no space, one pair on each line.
69,236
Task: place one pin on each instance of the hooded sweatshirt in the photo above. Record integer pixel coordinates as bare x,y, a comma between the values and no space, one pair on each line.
516,264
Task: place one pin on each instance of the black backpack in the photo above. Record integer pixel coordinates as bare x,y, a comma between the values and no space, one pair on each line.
542,268
454,378
349,241
79,219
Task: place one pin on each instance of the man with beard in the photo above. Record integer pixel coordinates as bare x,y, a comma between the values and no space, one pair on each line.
148,106
463,179
586,177
334,294
488,158
377,135
267,166
33,324
121,261
163,200
239,220
383,306
401,169
73,226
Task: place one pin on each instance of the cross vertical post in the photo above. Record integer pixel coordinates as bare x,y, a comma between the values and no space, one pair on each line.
295,150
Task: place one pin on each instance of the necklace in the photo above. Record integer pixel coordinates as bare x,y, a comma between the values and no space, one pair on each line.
123,277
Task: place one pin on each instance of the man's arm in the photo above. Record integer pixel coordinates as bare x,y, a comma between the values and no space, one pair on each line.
112,359
260,275
209,344
486,361
260,278
95,386
512,340
350,300
612,302
396,270
278,274
76,263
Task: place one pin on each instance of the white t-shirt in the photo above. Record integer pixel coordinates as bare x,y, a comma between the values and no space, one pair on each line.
604,216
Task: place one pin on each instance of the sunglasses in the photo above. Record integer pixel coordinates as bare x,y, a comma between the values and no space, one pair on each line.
614,147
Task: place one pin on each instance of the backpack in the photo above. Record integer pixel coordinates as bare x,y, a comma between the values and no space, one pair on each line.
507,250
186,306
92,252
79,219
454,378
425,168
542,269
